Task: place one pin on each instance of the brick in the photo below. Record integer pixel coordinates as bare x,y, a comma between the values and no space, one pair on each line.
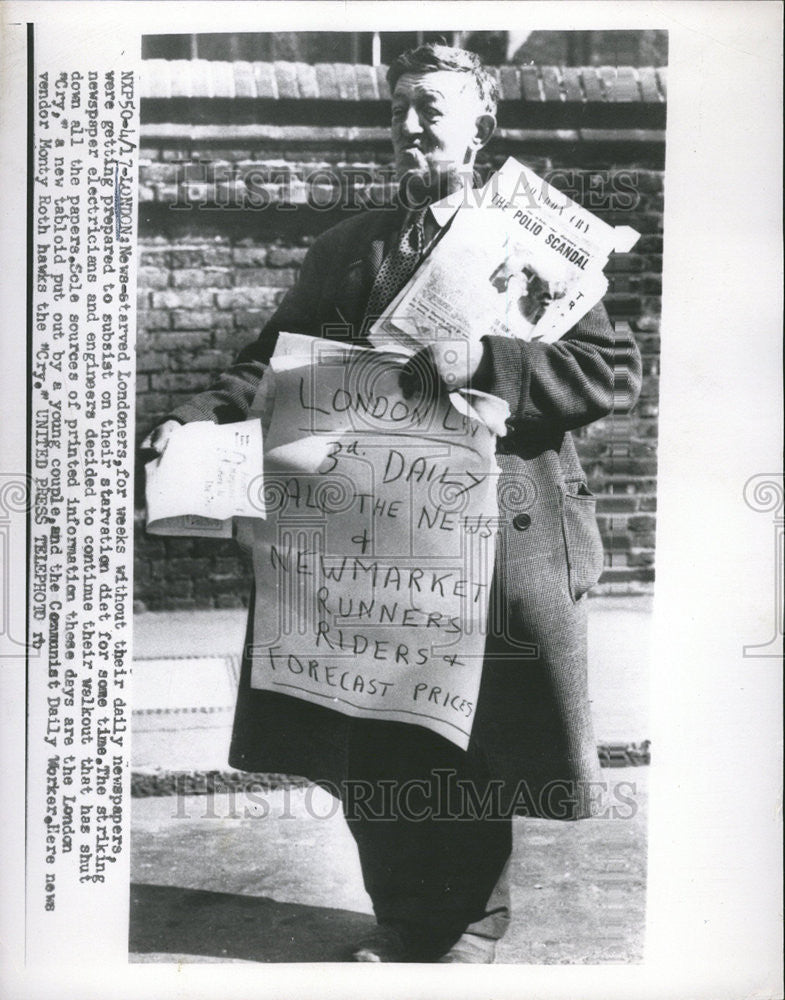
214,586
222,79
168,591
179,546
142,299
647,79
620,83
624,262
201,278
146,546
188,339
648,322
281,277
205,256
616,542
155,78
228,566
650,390
153,319
175,154
286,78
186,567
624,575
244,81
622,305
307,85
201,78
242,298
647,409
192,319
167,193
249,256
347,82
381,79
152,402
652,284
152,277
159,173
662,80
510,83
181,84
624,283
643,557
530,84
184,298
150,361
571,83
367,84
154,258
609,505
264,76
550,83
327,81
649,244
591,84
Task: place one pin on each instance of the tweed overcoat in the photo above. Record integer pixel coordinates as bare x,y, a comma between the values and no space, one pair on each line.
533,722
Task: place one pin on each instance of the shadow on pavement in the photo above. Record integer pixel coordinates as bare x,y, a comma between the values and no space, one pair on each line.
172,921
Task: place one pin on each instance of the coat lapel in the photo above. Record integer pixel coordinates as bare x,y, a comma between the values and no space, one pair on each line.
356,281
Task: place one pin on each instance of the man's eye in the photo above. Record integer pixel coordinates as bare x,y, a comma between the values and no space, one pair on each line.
432,114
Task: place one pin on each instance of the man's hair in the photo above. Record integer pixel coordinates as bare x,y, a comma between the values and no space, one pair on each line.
433,56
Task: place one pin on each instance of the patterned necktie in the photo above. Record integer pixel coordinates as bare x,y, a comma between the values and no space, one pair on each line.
399,264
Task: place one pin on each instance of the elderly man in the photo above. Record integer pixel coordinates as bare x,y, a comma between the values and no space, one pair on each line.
438,885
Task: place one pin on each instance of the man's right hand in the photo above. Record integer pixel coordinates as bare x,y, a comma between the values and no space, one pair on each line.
156,441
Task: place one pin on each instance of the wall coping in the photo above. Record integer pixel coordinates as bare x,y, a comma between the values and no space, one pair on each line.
371,136
202,78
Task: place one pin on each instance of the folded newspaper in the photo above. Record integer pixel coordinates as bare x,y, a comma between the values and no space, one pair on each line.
208,474
520,259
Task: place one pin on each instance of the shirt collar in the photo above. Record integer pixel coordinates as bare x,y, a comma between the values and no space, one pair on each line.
442,211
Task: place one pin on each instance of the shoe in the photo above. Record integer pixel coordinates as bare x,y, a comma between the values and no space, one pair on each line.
471,948
384,945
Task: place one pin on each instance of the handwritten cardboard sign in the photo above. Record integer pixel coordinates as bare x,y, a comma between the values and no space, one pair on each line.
374,565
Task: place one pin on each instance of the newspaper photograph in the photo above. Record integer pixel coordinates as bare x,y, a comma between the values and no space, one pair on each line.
361,599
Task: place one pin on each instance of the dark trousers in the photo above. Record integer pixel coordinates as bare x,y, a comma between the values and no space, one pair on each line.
433,859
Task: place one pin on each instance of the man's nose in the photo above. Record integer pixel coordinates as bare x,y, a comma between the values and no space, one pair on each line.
410,125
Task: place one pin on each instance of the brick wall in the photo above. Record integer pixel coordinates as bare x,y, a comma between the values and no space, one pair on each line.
242,165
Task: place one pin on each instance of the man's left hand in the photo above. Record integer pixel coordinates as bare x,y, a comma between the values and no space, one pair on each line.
446,365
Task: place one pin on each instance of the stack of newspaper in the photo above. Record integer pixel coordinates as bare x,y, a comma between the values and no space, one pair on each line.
520,259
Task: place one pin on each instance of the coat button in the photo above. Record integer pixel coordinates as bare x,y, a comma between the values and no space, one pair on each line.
521,522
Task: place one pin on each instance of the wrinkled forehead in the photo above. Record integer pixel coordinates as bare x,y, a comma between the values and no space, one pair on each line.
440,86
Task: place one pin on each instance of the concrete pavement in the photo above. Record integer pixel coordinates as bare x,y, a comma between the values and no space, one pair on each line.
273,876
185,671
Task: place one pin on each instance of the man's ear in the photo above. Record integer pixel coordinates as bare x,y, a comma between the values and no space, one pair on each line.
484,128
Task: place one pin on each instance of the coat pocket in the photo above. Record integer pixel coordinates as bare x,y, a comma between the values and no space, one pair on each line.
585,556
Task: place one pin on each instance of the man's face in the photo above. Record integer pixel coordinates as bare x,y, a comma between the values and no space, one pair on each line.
438,124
